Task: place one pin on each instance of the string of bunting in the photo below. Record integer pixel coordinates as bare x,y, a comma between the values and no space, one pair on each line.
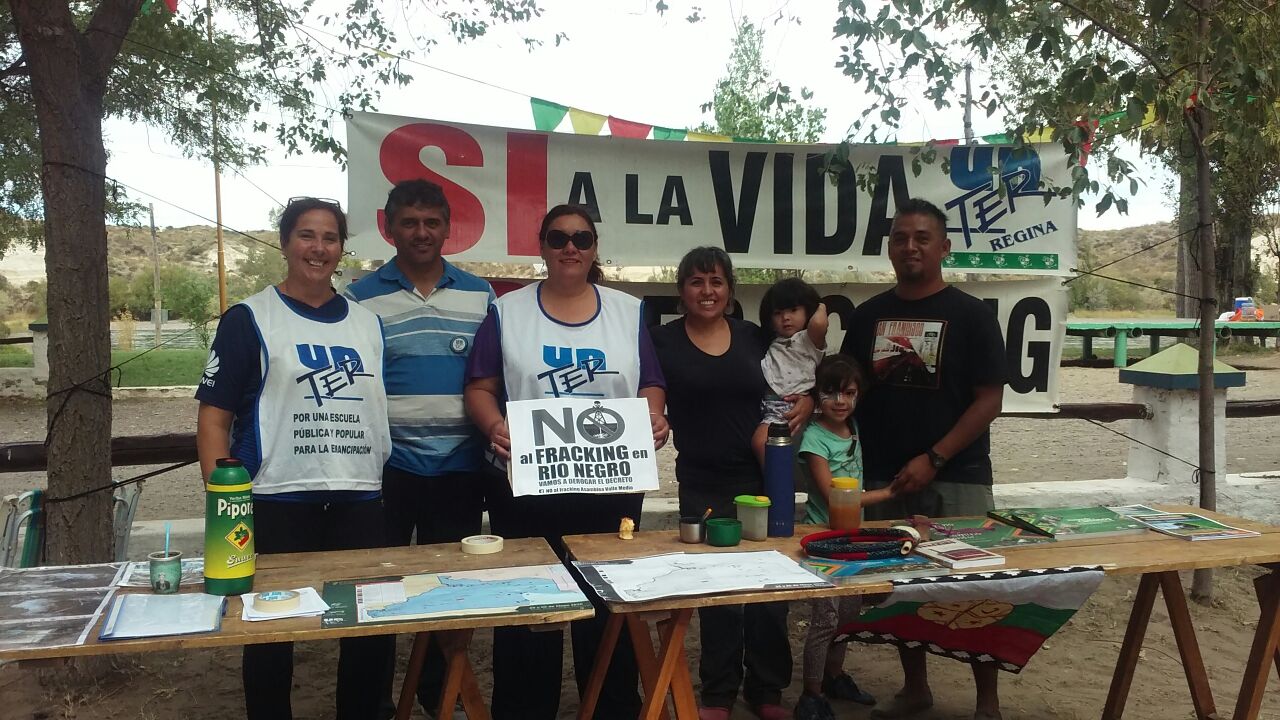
172,6
549,116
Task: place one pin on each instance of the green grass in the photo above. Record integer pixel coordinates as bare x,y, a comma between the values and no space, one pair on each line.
15,356
160,367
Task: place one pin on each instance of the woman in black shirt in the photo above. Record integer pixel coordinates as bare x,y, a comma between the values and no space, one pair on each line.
714,386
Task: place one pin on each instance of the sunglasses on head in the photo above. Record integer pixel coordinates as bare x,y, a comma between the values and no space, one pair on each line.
583,239
330,201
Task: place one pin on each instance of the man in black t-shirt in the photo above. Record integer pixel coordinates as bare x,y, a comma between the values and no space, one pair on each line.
936,360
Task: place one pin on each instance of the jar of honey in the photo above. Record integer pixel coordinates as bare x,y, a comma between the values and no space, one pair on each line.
845,503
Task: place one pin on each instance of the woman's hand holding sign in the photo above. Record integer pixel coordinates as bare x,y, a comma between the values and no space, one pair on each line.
500,439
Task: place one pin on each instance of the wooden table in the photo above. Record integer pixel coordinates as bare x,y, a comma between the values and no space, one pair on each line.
1157,558
295,570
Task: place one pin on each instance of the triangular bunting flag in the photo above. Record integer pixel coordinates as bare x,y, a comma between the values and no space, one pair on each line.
707,137
1086,147
585,123
1039,136
661,133
627,129
172,5
546,114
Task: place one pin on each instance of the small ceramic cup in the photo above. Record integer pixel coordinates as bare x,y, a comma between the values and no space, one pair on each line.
692,530
166,571
724,532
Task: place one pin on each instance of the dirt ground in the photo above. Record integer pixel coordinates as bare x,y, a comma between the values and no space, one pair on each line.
1023,450
1068,680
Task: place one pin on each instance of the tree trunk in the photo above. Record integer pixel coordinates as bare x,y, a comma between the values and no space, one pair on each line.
1245,280
1198,122
1236,277
69,73
1185,280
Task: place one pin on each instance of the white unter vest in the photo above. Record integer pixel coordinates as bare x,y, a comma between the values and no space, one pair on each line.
322,410
543,358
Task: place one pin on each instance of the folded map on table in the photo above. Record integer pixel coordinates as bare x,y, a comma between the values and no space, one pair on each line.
461,593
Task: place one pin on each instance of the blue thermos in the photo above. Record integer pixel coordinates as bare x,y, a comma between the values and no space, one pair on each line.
779,481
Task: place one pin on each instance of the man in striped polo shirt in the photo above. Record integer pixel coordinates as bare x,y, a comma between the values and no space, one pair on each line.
430,311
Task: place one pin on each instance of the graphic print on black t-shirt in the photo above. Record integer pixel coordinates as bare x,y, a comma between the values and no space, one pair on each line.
906,353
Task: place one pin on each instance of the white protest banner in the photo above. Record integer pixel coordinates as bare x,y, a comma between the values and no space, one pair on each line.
562,445
768,205
1032,316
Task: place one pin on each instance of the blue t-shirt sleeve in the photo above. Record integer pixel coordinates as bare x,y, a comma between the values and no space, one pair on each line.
234,368
485,360
650,368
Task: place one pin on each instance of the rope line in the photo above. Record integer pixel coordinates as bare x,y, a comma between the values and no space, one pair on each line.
1130,438
1131,282
117,484
1142,250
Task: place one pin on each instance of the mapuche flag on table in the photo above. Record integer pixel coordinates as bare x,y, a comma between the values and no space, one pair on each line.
1002,616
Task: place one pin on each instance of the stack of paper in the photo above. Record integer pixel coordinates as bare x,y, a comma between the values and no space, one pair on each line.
309,605
1187,526
145,615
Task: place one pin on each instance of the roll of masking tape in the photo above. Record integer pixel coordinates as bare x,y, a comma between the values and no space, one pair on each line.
481,544
277,601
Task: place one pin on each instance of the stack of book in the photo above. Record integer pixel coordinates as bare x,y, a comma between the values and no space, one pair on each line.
1070,523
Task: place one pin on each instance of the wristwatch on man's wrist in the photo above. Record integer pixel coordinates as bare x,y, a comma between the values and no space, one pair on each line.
935,459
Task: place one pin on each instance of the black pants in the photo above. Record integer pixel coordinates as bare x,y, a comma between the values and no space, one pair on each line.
737,637
440,509
527,665
284,527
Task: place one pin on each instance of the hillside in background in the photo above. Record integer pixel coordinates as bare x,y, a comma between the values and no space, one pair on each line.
1156,267
194,247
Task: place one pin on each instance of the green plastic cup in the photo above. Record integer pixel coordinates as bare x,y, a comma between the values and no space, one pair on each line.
724,532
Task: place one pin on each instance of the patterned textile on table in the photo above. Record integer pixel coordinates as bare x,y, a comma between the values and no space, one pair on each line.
1000,616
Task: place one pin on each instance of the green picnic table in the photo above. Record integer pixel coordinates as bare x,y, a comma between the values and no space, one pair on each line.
1121,330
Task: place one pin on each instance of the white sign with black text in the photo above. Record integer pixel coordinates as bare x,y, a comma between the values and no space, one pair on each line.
564,445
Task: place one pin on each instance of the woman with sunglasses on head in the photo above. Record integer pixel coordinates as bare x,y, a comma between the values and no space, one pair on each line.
282,362
568,336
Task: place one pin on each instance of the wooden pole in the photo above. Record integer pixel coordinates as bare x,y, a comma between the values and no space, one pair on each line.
1202,582
217,180
155,280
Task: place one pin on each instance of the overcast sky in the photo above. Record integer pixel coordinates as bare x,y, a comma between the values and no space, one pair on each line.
621,58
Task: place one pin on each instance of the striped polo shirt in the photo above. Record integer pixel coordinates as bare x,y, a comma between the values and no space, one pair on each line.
428,340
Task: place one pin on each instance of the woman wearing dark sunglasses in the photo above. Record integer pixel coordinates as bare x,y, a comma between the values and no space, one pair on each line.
280,356
569,337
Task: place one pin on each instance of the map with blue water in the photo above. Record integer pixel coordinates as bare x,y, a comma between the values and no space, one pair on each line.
467,593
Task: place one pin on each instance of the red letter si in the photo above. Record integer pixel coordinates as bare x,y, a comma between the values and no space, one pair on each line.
398,158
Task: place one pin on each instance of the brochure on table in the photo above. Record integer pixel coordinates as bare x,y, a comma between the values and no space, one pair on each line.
1069,523
1187,526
